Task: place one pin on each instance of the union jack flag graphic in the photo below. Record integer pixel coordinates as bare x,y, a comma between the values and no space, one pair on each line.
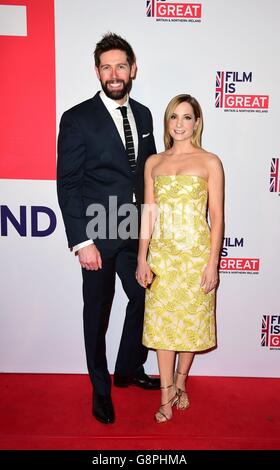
274,186
265,330
150,8
219,95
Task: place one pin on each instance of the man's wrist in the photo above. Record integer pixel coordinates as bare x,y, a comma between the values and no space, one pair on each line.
77,247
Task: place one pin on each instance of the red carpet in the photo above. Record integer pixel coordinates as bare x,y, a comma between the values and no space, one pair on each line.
54,412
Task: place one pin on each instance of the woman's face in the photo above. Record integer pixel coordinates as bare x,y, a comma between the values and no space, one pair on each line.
182,122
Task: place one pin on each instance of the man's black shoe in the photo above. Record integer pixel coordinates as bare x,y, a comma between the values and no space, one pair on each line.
103,409
143,381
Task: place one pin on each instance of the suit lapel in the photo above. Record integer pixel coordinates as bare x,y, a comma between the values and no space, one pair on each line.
111,132
108,126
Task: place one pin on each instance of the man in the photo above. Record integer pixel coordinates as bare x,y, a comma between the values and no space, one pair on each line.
102,151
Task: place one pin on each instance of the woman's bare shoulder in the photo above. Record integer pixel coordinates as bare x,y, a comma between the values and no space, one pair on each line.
210,155
211,159
154,159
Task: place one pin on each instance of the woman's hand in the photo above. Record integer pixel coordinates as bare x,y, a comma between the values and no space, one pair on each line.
209,280
143,274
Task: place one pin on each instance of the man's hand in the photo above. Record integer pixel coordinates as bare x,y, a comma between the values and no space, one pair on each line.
90,258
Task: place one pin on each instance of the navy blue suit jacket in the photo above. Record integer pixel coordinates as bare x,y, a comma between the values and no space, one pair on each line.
93,164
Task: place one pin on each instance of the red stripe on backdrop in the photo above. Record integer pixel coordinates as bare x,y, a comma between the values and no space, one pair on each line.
27,96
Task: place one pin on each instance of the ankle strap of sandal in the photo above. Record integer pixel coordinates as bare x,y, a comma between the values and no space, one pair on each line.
166,386
180,373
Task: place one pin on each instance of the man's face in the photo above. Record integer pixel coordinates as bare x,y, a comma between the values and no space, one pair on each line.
115,74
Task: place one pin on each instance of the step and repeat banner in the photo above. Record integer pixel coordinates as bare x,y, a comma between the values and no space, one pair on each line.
223,53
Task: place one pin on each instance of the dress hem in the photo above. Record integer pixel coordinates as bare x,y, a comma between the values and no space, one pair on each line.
206,348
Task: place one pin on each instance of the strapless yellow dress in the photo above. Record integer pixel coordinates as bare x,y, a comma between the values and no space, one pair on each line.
179,316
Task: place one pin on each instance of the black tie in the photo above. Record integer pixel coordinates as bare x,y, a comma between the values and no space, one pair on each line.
128,139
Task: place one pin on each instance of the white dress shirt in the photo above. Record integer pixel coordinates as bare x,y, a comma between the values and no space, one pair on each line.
116,115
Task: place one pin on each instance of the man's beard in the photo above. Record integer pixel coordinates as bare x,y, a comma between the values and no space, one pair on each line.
117,94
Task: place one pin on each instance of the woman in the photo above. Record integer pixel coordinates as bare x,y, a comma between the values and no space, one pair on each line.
181,271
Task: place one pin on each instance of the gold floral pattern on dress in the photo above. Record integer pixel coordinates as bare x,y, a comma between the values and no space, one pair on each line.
179,316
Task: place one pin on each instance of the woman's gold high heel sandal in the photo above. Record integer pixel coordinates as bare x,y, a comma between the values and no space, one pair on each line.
160,416
183,399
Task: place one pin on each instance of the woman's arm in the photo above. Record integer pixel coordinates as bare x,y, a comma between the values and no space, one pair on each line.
216,213
149,213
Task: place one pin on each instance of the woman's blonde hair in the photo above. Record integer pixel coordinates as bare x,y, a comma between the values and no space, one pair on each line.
172,105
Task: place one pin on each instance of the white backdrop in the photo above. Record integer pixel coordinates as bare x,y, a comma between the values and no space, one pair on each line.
41,303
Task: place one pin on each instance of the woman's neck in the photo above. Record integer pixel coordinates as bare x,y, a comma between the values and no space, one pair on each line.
179,148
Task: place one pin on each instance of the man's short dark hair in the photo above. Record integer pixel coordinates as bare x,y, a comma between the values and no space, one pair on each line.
111,41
